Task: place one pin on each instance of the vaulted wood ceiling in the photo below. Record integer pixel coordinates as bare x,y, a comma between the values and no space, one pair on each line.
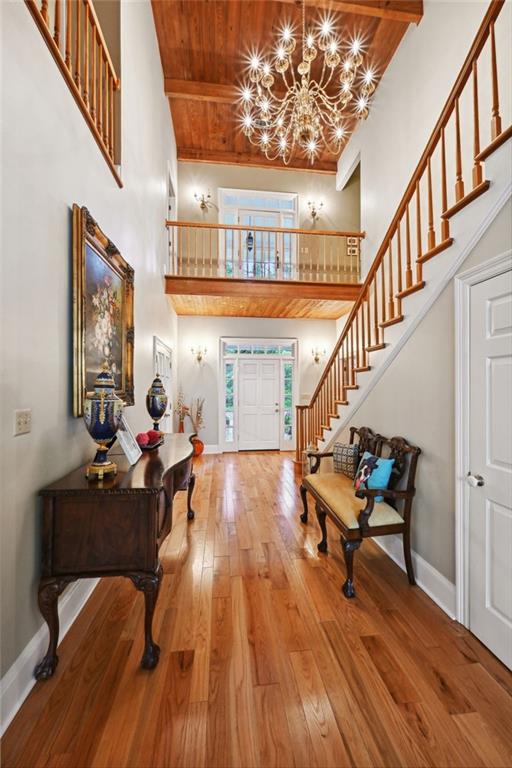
202,45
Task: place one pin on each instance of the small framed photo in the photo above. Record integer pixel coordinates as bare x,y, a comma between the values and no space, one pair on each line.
128,442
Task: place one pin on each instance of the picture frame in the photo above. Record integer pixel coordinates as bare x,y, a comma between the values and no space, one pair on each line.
127,441
103,301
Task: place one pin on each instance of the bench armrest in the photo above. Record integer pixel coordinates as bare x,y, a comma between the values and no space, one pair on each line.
318,456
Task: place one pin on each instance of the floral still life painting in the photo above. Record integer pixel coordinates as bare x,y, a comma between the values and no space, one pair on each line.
103,331
103,318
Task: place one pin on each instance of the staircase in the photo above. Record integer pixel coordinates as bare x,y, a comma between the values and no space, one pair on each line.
421,251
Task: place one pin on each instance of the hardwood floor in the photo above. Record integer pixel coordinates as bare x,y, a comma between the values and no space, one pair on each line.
264,662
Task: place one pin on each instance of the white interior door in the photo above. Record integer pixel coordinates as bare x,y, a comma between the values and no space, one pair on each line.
258,404
490,454
162,364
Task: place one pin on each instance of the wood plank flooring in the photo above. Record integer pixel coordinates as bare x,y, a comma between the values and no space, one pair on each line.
264,662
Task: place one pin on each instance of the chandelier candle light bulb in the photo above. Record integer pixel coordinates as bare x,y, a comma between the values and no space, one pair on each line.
320,93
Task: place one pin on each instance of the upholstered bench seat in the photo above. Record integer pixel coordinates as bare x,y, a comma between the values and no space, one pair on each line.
337,491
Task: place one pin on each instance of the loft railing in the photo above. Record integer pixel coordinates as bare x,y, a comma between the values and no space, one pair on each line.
246,252
73,34
420,228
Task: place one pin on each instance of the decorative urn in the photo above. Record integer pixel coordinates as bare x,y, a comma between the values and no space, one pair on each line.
103,410
156,401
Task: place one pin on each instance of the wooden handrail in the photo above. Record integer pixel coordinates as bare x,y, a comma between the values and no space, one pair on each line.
390,277
245,228
85,63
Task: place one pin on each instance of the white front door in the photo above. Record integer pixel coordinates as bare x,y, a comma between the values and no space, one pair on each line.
258,405
490,455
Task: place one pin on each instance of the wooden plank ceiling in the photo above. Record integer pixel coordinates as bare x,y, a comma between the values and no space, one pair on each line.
242,306
202,47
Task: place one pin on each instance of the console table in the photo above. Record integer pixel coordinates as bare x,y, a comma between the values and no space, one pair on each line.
112,527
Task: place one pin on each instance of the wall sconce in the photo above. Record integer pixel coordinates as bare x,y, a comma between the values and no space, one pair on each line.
204,201
199,353
314,210
318,354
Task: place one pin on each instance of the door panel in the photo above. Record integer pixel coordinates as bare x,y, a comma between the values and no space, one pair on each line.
490,451
258,405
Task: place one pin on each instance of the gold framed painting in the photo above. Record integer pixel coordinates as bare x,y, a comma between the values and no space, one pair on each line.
103,331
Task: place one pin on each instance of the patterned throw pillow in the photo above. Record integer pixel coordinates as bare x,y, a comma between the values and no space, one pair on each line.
373,472
345,459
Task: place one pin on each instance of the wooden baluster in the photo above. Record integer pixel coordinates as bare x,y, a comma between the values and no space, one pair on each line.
78,46
383,290
496,119
356,323
86,54
445,224
210,251
391,298
67,51
352,357
477,167
56,26
376,327
368,324
363,338
44,12
419,250
100,89
431,236
105,100
408,262
112,112
399,268
459,183
94,72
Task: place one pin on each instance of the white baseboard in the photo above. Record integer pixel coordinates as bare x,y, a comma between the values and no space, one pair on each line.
437,586
19,679
212,449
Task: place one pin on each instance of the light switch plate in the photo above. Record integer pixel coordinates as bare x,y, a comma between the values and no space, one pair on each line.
22,421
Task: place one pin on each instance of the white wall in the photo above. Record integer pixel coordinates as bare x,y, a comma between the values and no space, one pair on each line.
203,381
340,211
408,102
50,161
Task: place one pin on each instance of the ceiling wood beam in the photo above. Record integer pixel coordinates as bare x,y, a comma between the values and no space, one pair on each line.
192,155
193,90
278,289
405,11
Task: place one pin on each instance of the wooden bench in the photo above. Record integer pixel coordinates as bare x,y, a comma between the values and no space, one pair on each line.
336,497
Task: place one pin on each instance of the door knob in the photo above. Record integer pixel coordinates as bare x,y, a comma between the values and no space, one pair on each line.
475,481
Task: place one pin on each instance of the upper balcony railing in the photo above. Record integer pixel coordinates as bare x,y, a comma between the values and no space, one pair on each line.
263,253
72,32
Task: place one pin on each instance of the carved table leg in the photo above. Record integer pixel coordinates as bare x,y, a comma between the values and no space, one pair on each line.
48,596
322,546
149,583
190,491
349,547
304,497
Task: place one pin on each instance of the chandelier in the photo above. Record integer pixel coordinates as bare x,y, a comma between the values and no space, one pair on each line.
309,114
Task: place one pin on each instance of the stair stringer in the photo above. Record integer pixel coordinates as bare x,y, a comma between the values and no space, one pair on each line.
466,227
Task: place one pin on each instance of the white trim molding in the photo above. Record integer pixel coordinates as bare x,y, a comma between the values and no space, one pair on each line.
436,586
462,287
19,679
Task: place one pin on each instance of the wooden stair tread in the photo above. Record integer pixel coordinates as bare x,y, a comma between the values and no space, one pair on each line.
434,251
375,347
495,143
341,402
411,289
466,200
363,369
352,386
392,321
